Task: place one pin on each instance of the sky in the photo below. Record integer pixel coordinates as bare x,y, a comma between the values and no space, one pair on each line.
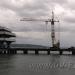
11,11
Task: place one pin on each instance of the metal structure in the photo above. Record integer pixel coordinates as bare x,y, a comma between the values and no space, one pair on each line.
52,20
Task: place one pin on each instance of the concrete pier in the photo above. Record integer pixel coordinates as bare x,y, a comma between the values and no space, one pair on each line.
60,52
15,52
25,51
36,52
0,52
73,52
48,52
4,52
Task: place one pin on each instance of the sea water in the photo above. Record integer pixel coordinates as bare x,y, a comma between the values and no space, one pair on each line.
21,64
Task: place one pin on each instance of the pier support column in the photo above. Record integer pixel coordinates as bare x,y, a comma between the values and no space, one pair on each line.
8,46
4,52
0,52
48,52
8,51
15,52
61,52
36,52
73,52
11,52
25,51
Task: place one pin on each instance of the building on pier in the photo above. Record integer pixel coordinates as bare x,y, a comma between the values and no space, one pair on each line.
6,37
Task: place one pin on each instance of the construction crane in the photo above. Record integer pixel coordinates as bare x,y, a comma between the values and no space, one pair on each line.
52,20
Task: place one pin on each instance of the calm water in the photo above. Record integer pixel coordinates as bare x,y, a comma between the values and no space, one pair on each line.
37,64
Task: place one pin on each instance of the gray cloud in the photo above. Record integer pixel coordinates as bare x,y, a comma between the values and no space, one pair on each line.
11,11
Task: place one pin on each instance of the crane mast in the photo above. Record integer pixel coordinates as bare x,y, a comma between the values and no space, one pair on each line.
52,30
54,44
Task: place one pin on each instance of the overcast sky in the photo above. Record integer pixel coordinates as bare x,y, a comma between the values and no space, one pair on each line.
11,11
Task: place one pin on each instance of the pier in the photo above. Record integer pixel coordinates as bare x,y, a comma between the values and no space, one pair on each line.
36,51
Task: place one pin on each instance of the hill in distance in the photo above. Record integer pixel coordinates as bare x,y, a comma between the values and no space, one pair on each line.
28,46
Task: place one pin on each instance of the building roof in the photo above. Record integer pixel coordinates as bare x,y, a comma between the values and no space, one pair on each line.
5,32
4,29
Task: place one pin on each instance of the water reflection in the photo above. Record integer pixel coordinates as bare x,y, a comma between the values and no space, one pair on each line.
37,65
